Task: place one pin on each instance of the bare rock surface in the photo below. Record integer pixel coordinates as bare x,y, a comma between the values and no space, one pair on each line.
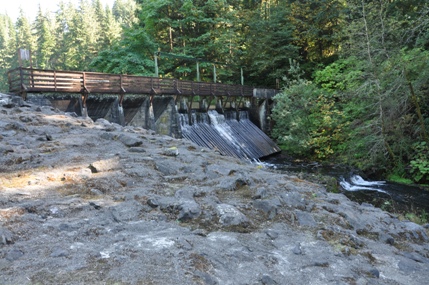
85,202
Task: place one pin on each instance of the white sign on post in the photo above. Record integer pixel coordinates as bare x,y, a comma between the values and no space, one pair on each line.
25,54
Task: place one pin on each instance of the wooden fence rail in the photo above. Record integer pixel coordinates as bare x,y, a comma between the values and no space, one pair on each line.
29,80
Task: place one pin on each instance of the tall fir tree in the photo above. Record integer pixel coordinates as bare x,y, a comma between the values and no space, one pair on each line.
44,28
24,35
7,49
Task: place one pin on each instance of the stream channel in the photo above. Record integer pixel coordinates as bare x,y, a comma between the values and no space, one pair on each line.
392,197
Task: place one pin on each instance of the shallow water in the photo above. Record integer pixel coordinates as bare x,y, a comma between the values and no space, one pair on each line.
389,196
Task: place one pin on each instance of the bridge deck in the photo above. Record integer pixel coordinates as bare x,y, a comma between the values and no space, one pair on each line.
29,80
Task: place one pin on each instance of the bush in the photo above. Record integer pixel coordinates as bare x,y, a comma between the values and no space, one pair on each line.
308,122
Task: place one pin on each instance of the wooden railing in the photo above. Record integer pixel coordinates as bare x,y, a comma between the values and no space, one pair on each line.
28,80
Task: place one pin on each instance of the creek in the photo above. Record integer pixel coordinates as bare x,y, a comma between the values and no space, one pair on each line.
233,134
389,196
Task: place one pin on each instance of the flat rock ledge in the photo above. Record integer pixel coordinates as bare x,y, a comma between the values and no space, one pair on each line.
85,202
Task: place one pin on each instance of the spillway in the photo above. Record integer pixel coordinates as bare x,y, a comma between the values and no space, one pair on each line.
232,134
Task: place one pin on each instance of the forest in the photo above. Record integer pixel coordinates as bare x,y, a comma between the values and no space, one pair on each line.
353,74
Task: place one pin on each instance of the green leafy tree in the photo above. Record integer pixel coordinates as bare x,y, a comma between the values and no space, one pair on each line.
131,55
309,122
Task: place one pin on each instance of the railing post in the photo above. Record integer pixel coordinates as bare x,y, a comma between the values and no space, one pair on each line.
156,64
198,72
55,80
23,88
83,81
214,73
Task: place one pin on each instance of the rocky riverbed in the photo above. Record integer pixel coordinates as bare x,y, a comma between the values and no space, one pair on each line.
85,202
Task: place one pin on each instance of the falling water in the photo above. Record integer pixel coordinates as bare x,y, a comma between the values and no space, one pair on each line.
238,138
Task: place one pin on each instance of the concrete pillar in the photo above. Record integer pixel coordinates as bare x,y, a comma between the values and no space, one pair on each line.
203,105
219,106
116,113
257,113
183,105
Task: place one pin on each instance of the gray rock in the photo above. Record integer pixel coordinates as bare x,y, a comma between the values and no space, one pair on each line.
171,151
165,168
6,237
297,249
59,252
305,219
130,141
185,193
231,216
137,149
126,211
65,227
272,234
269,207
16,126
152,202
206,278
105,165
414,231
415,256
108,136
25,119
294,200
267,280
260,193
188,210
14,254
96,192
374,272
408,266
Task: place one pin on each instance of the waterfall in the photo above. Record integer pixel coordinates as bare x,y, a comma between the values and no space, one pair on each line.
238,138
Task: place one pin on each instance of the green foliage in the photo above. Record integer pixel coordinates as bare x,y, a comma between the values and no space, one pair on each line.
308,122
420,162
421,218
270,40
45,40
341,75
399,179
131,55
7,49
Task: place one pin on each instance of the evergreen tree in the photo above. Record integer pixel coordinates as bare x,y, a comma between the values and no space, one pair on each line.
61,58
7,50
125,12
24,35
45,39
111,30
270,44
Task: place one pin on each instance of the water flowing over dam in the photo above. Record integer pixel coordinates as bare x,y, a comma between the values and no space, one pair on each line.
232,134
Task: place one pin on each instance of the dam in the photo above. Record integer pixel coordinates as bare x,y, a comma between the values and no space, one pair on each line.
233,119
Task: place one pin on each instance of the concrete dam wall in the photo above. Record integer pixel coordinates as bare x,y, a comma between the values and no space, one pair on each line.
233,131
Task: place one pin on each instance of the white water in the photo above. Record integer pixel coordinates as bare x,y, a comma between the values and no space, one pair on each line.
218,122
357,183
